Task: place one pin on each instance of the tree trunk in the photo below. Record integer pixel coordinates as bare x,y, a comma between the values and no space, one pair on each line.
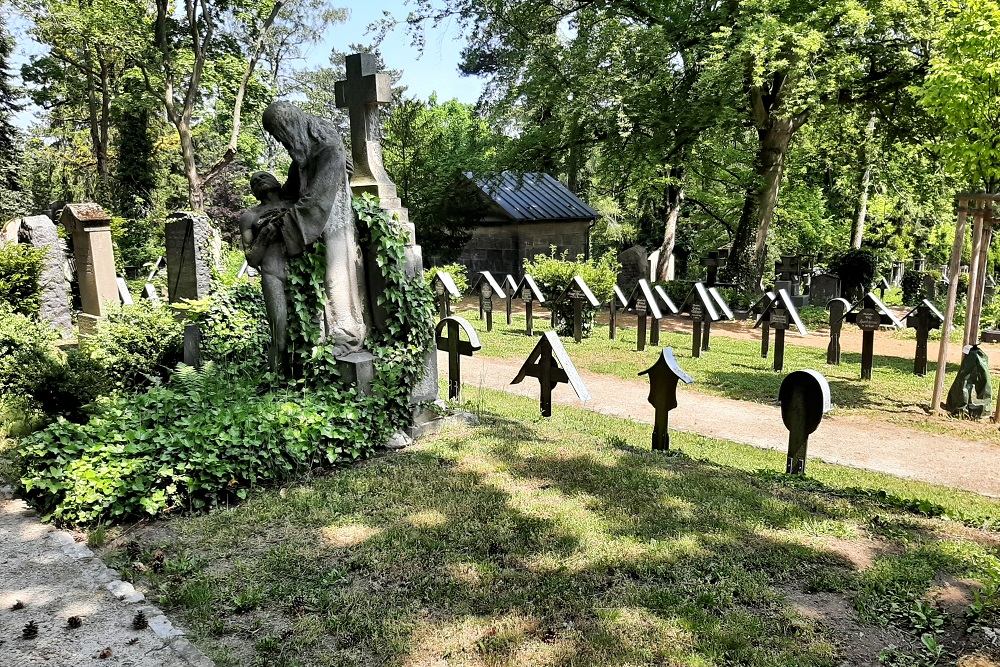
865,160
196,196
746,259
673,199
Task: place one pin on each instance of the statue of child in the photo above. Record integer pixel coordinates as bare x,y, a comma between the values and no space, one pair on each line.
260,228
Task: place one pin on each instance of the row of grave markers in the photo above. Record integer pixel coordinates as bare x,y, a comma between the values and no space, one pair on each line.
776,311
804,395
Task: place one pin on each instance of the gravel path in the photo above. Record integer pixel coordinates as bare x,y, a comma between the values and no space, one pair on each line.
55,577
848,440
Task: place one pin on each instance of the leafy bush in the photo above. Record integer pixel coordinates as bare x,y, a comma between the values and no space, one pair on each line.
201,440
553,274
856,269
457,271
234,327
206,437
134,346
29,358
20,268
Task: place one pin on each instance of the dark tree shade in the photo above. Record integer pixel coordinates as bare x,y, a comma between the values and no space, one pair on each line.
136,162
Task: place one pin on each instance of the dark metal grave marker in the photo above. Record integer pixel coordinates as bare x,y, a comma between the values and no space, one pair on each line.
456,349
663,378
617,302
550,363
725,314
528,291
487,287
804,398
701,304
644,304
445,290
838,311
716,259
923,318
764,322
873,315
781,315
578,293
510,288
883,285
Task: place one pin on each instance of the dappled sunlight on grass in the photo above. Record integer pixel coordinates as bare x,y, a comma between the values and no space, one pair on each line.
541,542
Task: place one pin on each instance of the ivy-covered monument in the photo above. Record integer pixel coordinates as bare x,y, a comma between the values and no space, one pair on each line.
339,264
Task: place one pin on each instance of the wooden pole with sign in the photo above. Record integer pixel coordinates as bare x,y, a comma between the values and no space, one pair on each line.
869,320
697,315
779,322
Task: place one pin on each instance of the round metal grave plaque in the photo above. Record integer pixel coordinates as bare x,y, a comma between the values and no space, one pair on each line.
487,291
869,319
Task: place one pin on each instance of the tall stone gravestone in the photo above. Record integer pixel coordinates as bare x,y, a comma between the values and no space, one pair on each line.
189,240
789,273
89,228
824,289
54,307
634,262
363,93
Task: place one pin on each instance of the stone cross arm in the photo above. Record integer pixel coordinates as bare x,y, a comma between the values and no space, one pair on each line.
364,85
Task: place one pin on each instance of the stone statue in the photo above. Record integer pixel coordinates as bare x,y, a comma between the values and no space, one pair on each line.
313,206
260,228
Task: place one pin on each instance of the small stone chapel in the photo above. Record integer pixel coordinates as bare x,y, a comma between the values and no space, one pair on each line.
525,215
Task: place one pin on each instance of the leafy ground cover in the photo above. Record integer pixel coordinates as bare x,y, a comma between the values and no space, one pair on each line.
565,541
734,369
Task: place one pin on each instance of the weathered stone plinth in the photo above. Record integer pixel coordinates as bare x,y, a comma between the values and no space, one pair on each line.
358,369
190,240
90,229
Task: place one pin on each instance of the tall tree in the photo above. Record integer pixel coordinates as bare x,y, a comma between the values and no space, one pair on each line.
11,199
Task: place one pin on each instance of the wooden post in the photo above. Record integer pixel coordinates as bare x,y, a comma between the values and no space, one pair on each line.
706,334
640,340
510,307
765,336
654,333
528,317
613,319
980,285
577,320
949,313
779,320
970,302
696,329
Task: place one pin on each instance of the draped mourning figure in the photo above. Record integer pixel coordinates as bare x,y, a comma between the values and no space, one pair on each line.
314,205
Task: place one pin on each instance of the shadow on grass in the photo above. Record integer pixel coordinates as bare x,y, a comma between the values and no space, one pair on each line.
518,544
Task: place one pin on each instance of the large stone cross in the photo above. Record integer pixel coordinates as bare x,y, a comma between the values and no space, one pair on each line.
362,93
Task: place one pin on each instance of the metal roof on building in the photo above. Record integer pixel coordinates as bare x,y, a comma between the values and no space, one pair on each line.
534,196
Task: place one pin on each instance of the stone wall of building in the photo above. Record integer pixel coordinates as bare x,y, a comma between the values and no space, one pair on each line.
502,248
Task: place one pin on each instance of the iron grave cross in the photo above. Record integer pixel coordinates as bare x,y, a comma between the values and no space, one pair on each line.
362,93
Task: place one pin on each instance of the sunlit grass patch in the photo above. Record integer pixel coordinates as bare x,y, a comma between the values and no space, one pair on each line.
560,541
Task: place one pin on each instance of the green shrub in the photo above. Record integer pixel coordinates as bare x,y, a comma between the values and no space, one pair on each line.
912,287
207,437
856,269
203,439
133,346
457,271
29,358
553,274
234,329
20,268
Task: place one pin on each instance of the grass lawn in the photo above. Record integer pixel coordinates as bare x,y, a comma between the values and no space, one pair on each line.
524,541
734,368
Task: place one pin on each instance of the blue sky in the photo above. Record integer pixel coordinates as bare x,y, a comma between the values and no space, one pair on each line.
433,70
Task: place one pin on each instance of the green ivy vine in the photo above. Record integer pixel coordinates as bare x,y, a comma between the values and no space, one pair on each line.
399,347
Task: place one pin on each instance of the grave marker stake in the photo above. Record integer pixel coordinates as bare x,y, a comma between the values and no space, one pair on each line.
696,330
550,363
804,398
779,322
644,302
456,349
663,378
838,311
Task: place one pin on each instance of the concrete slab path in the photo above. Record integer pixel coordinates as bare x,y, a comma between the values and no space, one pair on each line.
52,577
